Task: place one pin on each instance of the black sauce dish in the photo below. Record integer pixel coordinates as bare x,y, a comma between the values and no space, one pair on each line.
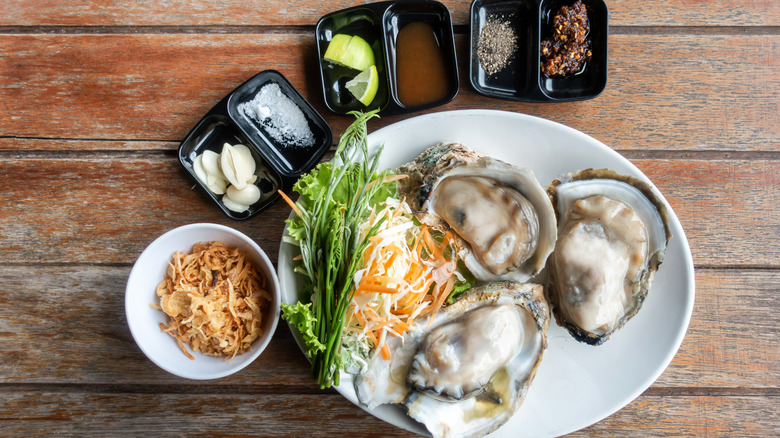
379,24
279,160
522,78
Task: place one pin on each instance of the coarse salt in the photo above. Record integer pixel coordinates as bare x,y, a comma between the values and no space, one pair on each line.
278,116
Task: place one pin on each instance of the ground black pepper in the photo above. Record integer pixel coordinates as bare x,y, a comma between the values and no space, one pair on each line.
497,44
569,48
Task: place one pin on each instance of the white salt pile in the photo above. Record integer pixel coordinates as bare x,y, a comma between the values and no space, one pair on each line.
279,116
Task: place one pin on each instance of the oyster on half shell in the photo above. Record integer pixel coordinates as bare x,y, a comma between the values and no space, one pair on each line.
500,211
467,371
612,235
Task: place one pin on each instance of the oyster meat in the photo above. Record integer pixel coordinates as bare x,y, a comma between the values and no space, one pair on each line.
500,211
466,371
612,235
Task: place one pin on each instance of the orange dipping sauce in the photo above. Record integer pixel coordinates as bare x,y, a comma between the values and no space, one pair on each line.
421,71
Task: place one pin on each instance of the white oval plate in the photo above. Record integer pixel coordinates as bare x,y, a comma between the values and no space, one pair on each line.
576,384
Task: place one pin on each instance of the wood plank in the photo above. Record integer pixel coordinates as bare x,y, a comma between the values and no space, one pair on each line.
732,340
27,145
54,413
665,92
132,86
65,324
105,211
727,208
691,416
279,13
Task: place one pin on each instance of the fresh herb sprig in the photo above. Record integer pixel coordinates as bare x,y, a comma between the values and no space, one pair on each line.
336,198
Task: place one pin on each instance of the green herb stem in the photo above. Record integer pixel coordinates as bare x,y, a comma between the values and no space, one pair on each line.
331,243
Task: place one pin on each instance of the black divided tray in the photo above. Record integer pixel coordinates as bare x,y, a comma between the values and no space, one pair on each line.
379,24
522,79
278,165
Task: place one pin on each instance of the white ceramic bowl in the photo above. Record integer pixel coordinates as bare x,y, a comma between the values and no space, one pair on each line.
149,271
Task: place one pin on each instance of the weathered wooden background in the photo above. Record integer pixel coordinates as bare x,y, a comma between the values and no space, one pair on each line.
96,95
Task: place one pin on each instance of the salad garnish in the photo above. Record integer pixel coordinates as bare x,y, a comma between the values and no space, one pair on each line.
371,267
336,197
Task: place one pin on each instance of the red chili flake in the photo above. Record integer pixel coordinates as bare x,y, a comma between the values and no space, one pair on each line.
567,51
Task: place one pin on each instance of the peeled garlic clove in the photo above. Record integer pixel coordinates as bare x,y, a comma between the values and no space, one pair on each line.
248,195
216,185
246,158
202,165
226,163
211,164
200,173
234,167
234,206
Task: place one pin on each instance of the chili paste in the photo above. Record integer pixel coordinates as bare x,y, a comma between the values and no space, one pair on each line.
567,51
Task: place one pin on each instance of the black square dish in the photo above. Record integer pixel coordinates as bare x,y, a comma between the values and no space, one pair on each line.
398,33
285,136
506,45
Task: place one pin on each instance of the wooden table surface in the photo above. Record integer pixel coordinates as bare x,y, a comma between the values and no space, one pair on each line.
95,97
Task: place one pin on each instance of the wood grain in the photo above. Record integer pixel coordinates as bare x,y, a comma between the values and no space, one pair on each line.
732,338
691,416
98,414
263,414
49,313
106,210
96,95
63,334
726,207
276,13
665,92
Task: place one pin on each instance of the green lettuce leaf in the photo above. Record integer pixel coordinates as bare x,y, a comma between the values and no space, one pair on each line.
302,317
462,286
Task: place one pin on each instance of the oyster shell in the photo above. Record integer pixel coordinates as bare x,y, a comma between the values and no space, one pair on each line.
465,372
612,235
500,211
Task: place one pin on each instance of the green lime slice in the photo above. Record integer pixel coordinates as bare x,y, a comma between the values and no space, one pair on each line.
351,51
365,85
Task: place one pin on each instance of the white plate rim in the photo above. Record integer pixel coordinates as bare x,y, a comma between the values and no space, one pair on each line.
458,119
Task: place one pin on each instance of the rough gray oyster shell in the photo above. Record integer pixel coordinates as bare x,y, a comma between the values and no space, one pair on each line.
441,370
500,211
612,235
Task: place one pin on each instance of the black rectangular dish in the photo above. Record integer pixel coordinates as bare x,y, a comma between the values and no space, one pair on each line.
282,132
506,50
413,49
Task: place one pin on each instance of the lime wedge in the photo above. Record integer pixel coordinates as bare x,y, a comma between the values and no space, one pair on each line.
351,51
365,85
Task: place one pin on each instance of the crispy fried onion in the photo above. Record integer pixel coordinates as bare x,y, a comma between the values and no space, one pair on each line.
215,299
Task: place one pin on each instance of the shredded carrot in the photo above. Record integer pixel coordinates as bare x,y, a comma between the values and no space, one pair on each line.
393,256
432,246
385,351
396,283
379,279
361,320
390,178
372,315
402,326
443,294
372,337
290,203
397,214
376,289
447,240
